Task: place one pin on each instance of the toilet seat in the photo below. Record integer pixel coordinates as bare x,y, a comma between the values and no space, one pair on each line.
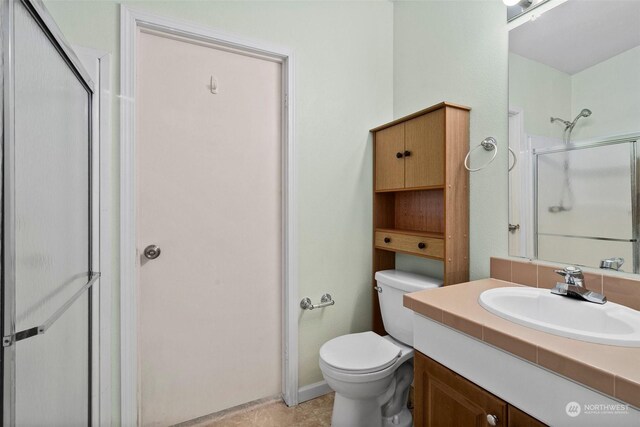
361,353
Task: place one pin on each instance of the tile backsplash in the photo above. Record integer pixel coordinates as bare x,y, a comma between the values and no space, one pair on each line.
618,289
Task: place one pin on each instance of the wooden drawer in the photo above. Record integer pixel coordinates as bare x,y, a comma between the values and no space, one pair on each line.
410,243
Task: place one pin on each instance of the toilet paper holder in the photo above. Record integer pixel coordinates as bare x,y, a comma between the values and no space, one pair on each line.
325,301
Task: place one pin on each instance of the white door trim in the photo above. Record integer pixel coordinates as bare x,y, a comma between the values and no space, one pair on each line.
101,181
522,149
130,21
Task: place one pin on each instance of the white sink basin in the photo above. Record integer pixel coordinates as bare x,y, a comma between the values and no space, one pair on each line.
609,323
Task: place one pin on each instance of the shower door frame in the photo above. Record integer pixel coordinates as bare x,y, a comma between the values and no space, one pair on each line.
634,160
130,22
101,321
99,390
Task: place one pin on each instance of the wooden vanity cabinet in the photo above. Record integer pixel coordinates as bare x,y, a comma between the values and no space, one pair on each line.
421,193
517,418
444,398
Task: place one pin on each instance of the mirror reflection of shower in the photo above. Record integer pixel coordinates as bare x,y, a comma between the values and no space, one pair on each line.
566,193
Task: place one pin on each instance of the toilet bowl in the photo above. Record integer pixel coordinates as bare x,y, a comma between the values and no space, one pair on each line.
361,394
371,374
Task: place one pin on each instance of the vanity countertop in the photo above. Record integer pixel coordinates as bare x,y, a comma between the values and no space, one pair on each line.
612,370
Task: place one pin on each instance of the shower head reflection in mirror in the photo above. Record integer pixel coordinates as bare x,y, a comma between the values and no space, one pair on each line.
570,125
566,194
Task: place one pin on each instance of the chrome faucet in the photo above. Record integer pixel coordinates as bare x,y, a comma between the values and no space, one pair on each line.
574,287
612,263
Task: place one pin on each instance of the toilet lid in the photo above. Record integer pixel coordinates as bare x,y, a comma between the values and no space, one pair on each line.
361,353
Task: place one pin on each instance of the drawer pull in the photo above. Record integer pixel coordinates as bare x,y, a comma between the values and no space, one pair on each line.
399,155
422,245
387,240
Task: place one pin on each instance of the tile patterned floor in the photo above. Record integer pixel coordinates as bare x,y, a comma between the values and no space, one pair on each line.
274,413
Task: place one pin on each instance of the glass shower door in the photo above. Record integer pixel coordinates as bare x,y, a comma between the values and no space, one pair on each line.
585,203
47,274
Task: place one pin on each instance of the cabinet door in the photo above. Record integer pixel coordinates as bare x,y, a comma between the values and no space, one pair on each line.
425,150
444,398
390,166
517,418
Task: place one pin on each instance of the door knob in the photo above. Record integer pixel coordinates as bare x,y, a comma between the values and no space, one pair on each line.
492,420
152,251
407,153
399,155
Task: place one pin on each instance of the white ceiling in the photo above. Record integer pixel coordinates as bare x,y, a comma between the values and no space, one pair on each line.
579,33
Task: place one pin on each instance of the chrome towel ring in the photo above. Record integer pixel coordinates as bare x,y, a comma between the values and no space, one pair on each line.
515,159
489,144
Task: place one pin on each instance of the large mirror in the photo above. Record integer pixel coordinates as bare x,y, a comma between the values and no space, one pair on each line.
574,127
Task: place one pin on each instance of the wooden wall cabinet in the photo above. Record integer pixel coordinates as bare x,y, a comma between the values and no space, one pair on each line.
410,154
421,192
444,398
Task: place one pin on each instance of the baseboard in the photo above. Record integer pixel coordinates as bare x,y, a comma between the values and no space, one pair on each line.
312,391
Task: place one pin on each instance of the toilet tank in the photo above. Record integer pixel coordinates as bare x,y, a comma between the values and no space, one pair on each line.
393,284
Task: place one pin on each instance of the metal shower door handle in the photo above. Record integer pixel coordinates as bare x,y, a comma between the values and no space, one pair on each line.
152,251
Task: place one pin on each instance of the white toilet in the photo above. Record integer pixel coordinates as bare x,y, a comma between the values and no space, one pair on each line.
371,374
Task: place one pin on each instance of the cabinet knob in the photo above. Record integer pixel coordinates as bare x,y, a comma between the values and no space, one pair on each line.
492,420
399,155
422,245
407,153
387,240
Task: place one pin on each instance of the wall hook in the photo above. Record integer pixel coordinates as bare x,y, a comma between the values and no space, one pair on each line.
214,85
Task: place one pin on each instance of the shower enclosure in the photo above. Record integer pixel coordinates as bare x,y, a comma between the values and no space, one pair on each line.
47,260
586,202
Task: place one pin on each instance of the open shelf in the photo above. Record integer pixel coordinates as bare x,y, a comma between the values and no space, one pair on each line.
416,211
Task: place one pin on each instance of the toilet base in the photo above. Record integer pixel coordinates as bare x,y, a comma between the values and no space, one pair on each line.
403,419
366,413
388,409
355,413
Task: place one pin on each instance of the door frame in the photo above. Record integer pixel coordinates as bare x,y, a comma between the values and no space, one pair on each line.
130,21
522,147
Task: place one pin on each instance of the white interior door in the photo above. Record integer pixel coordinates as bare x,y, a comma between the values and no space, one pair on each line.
208,150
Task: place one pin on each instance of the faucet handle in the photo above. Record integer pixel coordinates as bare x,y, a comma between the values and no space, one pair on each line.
572,275
570,270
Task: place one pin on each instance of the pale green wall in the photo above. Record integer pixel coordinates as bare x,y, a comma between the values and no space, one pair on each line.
344,86
542,92
359,64
609,89
606,89
457,51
